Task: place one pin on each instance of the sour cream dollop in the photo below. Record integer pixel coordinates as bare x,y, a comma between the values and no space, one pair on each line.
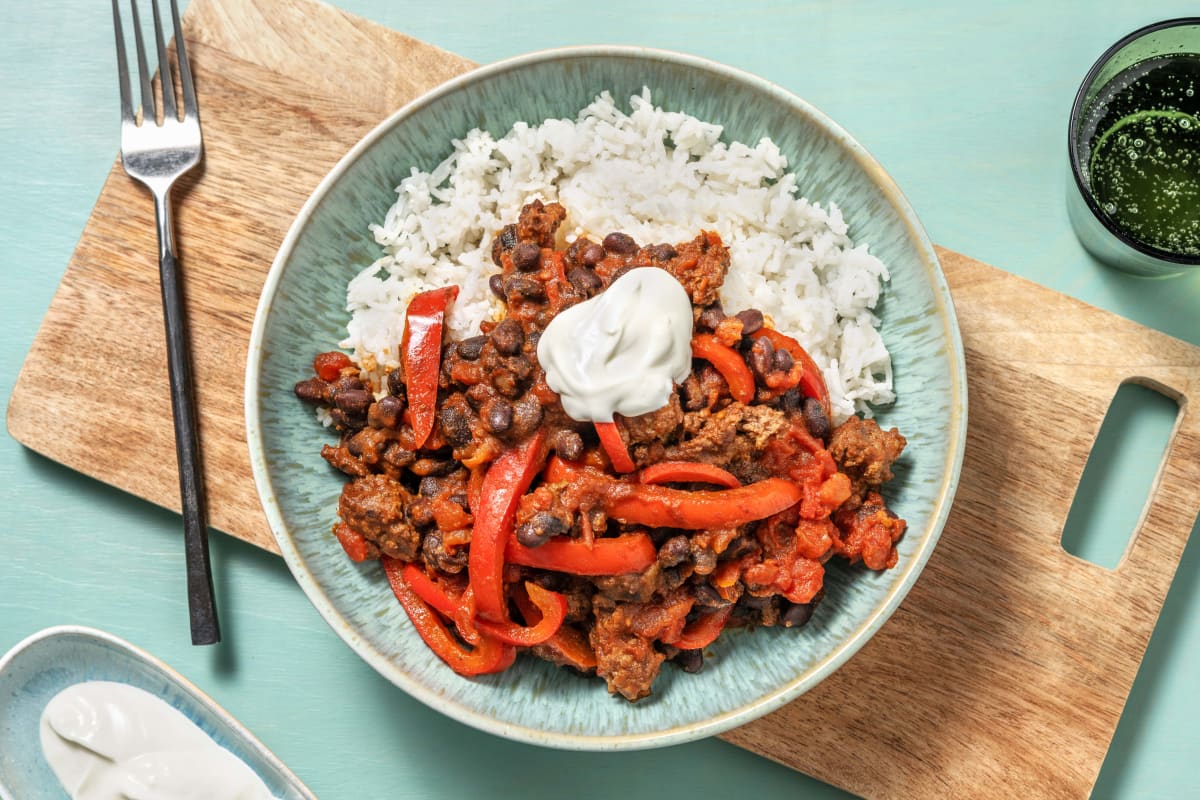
623,351
112,741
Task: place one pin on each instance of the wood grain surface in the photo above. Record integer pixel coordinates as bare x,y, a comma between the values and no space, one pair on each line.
1002,674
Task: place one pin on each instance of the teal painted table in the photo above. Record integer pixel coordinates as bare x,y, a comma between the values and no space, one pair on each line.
966,108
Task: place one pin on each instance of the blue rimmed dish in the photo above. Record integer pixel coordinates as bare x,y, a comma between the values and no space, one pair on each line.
302,312
45,663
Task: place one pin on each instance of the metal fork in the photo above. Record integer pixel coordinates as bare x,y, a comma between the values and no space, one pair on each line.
156,154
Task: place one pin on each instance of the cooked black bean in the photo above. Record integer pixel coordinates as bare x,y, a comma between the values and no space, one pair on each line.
621,243
396,455
508,337
313,390
498,416
432,466
471,348
479,394
540,528
386,412
783,361
711,317
791,401
574,253
691,661
707,596
706,561
674,577
527,415
584,280
752,321
592,255
661,252
433,548
674,551
569,445
496,284
420,512
815,419
395,383
521,286
456,427
347,383
520,365
526,256
354,402
762,357
796,615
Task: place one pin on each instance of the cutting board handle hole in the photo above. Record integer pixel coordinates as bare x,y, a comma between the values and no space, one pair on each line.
1120,475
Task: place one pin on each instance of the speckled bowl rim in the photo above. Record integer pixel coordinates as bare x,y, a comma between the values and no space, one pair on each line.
956,437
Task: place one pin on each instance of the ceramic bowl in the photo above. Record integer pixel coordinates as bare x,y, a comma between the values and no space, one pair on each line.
302,312
41,666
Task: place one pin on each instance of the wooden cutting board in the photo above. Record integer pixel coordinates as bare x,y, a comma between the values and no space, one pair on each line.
1002,674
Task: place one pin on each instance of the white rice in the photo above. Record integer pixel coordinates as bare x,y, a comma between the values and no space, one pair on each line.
658,176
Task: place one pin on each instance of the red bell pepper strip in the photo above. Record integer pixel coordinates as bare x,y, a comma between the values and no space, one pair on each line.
661,507
616,555
559,470
703,630
688,472
812,384
490,655
551,606
353,542
728,362
506,480
614,446
421,354
568,642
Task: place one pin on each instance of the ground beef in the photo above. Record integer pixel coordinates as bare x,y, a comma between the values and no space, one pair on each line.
865,452
538,222
735,433
700,265
662,425
636,587
373,506
628,663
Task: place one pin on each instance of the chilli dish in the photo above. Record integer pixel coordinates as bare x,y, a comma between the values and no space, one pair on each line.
606,545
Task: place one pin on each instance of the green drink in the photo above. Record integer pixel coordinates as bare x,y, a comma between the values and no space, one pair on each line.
1143,152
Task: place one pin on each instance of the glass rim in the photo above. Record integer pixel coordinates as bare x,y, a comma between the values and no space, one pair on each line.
1073,151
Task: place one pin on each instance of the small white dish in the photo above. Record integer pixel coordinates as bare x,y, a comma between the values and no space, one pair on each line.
38,668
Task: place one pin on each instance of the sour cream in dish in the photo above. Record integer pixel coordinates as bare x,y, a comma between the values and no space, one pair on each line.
623,351
111,741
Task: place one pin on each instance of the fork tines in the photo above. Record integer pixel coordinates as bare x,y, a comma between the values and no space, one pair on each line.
150,107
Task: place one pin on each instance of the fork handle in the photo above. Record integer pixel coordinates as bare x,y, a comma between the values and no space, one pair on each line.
202,610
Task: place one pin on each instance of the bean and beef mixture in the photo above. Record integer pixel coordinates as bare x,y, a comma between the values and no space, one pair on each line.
609,548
